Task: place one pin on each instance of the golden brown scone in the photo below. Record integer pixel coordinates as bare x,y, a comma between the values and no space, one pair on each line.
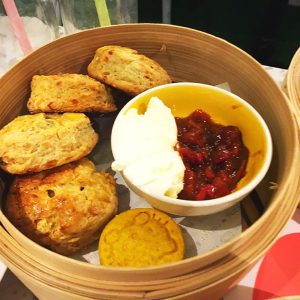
64,208
140,237
69,93
32,143
126,69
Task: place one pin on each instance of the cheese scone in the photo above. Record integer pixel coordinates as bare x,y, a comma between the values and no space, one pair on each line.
32,143
141,237
65,208
127,70
69,93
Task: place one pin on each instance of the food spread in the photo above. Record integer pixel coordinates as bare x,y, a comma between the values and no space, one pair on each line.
188,158
60,201
214,156
146,150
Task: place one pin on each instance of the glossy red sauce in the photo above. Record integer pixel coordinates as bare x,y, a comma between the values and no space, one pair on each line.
214,156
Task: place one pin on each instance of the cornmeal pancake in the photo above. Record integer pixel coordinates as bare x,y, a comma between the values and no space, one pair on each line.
141,237
63,208
69,93
32,143
126,70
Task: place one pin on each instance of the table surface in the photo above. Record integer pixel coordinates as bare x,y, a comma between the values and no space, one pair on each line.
12,288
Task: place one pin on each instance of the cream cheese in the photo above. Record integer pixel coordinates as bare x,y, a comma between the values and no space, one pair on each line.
144,150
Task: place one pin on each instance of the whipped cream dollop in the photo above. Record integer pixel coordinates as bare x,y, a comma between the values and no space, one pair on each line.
145,150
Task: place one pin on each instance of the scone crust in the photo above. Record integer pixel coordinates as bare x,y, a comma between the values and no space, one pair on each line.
32,143
64,208
126,69
141,237
69,93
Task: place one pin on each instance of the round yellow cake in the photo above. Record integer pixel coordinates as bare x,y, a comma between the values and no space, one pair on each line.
141,237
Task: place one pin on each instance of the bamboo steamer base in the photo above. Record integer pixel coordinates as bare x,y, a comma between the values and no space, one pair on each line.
43,289
197,57
192,285
46,292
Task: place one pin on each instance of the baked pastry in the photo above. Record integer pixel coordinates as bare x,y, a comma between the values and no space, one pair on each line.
69,93
64,208
141,237
32,143
126,69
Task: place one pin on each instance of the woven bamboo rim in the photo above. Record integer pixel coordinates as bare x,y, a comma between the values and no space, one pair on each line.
293,82
292,85
213,271
196,282
166,288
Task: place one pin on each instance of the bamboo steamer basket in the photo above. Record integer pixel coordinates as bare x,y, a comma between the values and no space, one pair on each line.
292,82
291,85
188,55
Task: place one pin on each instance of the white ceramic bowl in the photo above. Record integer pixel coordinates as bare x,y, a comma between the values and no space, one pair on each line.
225,108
